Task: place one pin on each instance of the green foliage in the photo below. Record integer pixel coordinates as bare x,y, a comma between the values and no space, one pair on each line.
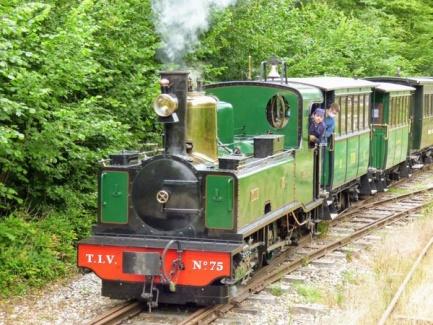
276,290
315,38
77,79
76,82
350,277
323,228
310,293
34,251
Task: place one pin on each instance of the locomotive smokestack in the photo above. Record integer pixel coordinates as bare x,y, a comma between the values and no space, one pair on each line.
174,135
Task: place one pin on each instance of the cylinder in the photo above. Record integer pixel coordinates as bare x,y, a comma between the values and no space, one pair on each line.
174,133
201,124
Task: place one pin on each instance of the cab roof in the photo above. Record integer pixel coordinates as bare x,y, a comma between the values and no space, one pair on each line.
388,87
413,81
301,88
334,83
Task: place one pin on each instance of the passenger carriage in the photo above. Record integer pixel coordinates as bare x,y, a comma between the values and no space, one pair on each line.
421,117
347,153
390,132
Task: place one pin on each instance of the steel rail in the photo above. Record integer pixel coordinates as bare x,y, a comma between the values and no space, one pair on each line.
118,313
272,273
377,202
404,284
361,204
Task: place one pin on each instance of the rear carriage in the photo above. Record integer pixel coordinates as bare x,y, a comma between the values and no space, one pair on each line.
421,116
390,131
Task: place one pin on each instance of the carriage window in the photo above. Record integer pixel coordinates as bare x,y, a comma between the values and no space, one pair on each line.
349,114
391,111
428,108
362,125
426,104
377,116
367,110
399,109
355,113
407,109
431,102
342,115
390,104
395,109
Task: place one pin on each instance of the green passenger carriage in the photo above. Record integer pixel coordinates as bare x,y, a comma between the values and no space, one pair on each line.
346,156
421,116
390,130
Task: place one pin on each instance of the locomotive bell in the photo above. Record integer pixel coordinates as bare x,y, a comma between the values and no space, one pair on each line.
273,74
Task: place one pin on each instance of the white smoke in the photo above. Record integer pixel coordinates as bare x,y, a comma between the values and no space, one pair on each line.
180,23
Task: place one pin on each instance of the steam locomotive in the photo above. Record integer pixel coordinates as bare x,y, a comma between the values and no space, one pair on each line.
237,181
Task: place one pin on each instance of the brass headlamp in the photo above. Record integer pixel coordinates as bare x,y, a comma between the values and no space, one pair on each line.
165,105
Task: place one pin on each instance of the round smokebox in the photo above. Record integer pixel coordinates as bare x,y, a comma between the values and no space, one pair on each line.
166,194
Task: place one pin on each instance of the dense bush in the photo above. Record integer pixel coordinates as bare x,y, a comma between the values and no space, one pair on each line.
73,88
77,78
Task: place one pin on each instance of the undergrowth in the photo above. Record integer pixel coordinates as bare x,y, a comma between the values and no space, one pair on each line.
36,250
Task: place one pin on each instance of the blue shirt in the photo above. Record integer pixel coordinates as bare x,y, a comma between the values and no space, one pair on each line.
330,126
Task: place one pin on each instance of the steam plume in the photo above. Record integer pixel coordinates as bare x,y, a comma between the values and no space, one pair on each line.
180,23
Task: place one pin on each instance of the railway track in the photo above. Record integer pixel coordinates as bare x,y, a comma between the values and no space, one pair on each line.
389,310
118,313
351,225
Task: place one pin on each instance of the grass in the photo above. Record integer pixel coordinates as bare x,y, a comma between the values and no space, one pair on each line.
310,293
276,290
349,256
350,277
322,228
362,298
416,299
401,191
398,190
